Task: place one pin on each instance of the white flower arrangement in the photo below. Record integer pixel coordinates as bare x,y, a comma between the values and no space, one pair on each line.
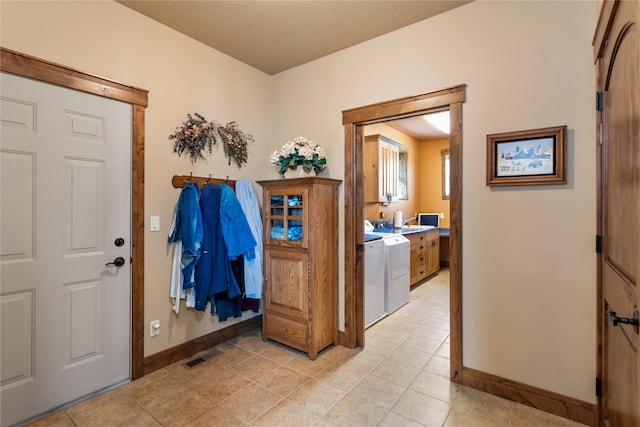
299,152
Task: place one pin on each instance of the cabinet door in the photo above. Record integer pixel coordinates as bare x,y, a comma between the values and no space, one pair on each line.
381,169
413,241
433,252
418,257
394,173
371,172
389,160
286,217
286,288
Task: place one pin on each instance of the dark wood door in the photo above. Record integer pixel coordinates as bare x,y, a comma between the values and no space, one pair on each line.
618,57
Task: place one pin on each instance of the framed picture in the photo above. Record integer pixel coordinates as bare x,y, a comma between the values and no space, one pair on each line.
528,157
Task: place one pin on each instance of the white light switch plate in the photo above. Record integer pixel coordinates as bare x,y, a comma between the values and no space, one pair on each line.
154,223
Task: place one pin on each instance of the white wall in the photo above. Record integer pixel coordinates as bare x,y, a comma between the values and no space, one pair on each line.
529,266
182,76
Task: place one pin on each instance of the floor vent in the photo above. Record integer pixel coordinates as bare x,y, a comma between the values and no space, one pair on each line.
195,362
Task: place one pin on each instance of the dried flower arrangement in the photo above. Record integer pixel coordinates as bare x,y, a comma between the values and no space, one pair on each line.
197,135
235,143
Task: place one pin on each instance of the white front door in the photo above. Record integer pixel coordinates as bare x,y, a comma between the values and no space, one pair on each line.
65,213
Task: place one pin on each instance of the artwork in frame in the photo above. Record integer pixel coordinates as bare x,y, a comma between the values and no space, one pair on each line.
529,157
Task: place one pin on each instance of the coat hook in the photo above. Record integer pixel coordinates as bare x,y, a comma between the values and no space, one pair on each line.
190,176
207,180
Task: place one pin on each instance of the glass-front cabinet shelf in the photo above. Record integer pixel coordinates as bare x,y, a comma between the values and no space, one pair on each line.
286,216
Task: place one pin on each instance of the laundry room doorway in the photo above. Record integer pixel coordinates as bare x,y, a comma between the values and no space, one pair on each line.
354,121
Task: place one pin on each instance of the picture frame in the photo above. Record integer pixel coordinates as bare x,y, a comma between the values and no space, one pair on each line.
528,157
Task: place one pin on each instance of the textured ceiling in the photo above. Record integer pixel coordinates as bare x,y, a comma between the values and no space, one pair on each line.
274,36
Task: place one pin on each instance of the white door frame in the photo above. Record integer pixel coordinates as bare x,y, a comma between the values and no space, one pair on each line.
27,66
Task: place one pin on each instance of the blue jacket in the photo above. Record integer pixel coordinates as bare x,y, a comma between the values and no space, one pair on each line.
214,273
188,229
235,228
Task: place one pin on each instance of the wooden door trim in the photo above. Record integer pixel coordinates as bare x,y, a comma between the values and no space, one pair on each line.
17,63
354,120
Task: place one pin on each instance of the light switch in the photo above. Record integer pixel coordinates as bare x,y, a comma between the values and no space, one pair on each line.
154,223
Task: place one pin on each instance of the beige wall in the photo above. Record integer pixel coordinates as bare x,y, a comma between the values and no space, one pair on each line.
430,179
528,256
182,76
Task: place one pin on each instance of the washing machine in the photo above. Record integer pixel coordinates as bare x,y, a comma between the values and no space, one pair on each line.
397,250
373,279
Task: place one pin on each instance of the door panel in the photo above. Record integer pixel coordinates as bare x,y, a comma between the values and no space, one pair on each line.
18,192
66,167
620,211
291,295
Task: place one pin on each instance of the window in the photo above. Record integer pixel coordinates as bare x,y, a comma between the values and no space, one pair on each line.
403,171
446,169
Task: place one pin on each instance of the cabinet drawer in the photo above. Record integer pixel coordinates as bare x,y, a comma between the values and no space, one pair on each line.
287,331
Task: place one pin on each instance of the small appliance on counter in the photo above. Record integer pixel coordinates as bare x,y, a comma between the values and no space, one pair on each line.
397,219
432,219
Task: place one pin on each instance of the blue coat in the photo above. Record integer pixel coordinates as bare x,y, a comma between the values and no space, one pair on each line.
214,273
188,229
235,228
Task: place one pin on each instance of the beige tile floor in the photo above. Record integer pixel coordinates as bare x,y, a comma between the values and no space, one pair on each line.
399,379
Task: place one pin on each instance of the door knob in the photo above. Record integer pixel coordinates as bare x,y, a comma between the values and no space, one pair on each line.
118,262
634,321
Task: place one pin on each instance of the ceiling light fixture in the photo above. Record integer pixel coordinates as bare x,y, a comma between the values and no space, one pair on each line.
439,120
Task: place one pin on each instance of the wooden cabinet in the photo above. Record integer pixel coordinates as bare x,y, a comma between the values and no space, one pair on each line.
381,166
300,294
425,254
433,252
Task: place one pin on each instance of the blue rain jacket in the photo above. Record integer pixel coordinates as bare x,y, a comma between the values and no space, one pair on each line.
188,229
235,228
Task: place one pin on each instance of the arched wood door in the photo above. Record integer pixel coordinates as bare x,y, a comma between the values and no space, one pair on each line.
617,47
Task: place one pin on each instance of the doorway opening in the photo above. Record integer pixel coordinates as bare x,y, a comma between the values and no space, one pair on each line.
354,121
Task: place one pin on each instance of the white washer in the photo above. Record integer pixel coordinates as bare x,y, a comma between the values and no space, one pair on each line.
397,262
373,282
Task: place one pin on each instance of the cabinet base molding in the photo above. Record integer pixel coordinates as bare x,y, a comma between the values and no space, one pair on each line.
547,401
196,345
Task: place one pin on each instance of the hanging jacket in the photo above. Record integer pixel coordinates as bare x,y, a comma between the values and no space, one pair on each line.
253,278
177,292
213,273
188,229
231,307
235,228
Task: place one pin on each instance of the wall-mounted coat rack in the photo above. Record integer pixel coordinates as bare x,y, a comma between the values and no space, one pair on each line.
178,181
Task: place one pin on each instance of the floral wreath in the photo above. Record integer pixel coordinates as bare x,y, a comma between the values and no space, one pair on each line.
196,136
